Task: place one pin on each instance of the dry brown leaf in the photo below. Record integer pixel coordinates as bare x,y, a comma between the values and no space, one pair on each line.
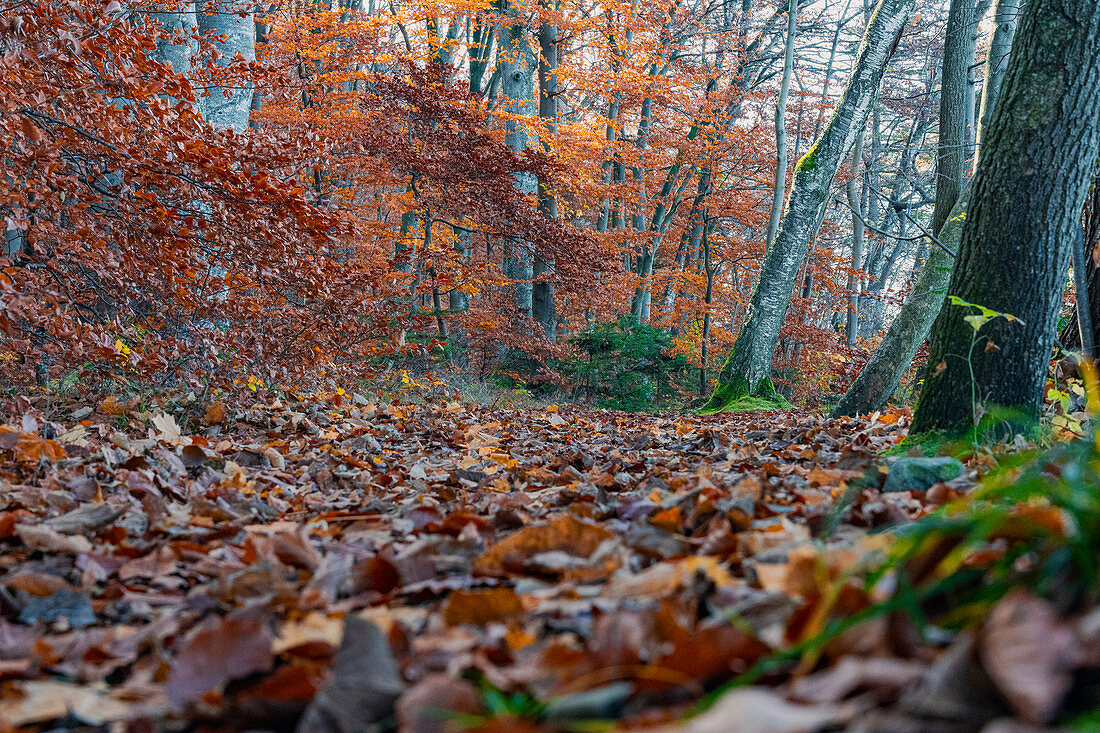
480,606
224,650
567,534
1030,653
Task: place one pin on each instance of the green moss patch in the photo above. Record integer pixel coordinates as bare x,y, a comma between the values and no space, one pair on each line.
931,443
735,396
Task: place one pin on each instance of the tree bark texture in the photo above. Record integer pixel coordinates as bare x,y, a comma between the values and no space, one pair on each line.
229,106
1041,149
176,18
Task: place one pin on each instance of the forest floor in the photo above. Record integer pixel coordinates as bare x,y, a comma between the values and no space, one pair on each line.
337,564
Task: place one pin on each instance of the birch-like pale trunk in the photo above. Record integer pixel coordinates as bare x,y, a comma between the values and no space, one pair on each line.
780,187
177,18
517,63
747,370
229,106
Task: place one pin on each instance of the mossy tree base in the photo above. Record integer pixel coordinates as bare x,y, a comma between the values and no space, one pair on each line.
736,396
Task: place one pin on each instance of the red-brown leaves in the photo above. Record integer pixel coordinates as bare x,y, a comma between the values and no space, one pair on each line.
550,548
481,606
221,651
191,568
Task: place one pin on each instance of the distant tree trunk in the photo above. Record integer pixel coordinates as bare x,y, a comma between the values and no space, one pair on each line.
542,292
225,106
1041,151
748,368
881,375
996,61
176,18
1071,337
1086,332
517,68
708,299
780,188
960,47
458,302
855,282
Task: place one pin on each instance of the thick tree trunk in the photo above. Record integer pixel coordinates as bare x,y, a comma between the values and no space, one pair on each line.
780,187
1041,150
177,18
229,106
883,372
748,368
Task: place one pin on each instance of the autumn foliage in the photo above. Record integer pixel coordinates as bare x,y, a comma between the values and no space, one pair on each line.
368,215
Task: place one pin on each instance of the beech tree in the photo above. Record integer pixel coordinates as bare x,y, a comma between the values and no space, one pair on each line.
1028,192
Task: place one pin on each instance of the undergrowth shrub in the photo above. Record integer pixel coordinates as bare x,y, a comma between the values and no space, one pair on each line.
624,365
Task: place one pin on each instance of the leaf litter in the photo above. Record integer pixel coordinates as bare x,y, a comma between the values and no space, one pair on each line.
335,564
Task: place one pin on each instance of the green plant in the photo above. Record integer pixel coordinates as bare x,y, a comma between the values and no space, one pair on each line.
624,365
976,321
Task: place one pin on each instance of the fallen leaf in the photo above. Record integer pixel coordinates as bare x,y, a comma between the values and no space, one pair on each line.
567,534
223,650
1030,653
480,606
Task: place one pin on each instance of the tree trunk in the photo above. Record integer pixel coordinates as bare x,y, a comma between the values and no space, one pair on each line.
883,372
996,60
855,282
543,307
959,49
780,188
1085,330
747,370
708,299
1088,296
178,18
1041,150
229,106
517,66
